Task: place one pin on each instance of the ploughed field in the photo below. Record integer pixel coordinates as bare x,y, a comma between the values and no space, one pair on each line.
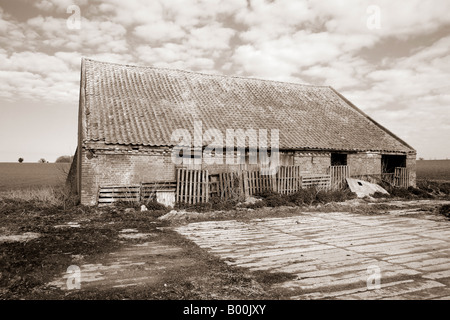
15,176
433,170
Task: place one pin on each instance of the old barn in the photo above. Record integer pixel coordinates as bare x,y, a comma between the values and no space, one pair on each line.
127,115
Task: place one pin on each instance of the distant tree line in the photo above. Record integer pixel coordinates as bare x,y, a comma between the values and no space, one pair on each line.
64,159
61,159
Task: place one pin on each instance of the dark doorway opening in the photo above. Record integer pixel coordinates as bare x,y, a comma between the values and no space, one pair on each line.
338,159
390,162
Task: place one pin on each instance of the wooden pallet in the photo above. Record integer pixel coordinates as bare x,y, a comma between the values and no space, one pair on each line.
111,194
149,189
319,181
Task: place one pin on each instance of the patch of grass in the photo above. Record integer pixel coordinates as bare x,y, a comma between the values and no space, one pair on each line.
334,196
445,210
45,196
256,205
378,195
434,187
271,278
25,266
405,193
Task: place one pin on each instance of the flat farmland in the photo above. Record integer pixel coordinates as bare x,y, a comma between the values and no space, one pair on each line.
30,175
433,169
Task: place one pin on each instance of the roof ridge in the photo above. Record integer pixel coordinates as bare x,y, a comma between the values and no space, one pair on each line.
207,74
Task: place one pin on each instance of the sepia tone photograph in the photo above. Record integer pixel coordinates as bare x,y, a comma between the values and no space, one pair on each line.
224,154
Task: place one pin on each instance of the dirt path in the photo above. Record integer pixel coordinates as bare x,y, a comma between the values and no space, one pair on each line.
139,264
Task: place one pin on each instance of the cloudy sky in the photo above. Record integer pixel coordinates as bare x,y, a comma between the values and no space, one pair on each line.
390,58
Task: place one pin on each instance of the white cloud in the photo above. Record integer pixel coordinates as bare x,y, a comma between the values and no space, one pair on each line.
210,37
318,42
58,5
176,56
167,31
37,76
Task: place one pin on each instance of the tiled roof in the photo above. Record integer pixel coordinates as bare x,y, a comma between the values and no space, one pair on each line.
131,105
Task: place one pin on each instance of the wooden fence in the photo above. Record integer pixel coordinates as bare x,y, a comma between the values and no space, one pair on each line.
338,174
288,179
229,185
254,182
192,186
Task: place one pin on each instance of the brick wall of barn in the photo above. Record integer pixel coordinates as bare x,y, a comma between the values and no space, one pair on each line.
312,162
105,168
128,167
363,163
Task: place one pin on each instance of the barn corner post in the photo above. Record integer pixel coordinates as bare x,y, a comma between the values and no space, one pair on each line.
411,168
81,127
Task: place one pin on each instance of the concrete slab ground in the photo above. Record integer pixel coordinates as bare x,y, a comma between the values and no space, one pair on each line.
338,255
132,266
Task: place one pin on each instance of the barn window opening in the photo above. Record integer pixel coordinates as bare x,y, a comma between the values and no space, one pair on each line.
338,159
390,162
286,159
190,155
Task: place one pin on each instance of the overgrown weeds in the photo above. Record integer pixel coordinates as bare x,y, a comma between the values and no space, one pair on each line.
445,210
46,196
303,197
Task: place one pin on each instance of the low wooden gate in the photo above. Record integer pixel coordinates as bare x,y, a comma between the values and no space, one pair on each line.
192,186
401,177
338,175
